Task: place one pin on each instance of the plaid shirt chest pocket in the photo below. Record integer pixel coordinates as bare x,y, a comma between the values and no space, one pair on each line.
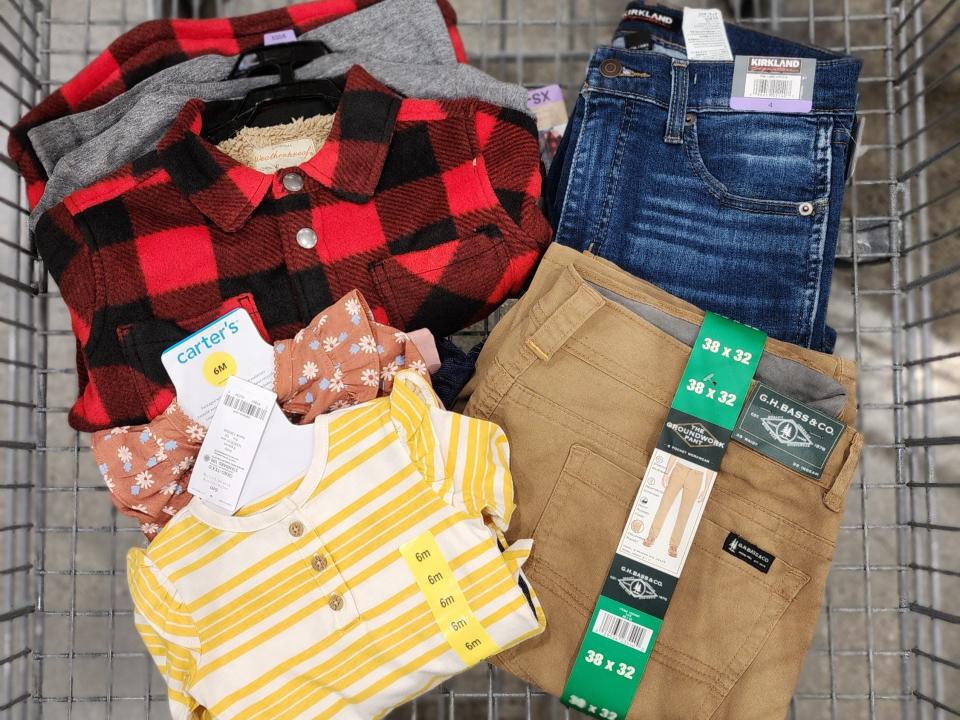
428,207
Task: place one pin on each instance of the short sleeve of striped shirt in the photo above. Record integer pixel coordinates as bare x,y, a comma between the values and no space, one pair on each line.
168,631
467,460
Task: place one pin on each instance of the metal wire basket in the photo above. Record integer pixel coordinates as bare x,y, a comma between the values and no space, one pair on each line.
888,644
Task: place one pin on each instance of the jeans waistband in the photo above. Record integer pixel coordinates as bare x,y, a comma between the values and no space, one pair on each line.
707,84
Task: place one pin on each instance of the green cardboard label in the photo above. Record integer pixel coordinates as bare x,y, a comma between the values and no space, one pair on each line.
612,658
643,575
787,431
718,373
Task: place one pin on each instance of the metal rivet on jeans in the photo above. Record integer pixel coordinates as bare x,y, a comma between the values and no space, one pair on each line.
611,68
293,181
306,238
689,118
805,209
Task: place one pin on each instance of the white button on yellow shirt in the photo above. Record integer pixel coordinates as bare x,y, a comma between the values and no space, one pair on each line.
377,576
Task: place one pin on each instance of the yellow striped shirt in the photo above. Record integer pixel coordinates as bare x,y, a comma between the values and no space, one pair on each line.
302,606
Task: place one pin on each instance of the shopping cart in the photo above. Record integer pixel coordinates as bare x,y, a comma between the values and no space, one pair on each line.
888,644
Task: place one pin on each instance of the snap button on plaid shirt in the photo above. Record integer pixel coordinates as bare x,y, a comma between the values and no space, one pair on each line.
428,207
157,44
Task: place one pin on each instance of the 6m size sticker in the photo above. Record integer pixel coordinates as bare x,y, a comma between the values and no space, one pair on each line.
449,606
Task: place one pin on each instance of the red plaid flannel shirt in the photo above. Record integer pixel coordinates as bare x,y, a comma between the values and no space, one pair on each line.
158,44
428,207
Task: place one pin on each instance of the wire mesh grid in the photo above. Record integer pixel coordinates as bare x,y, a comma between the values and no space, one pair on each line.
888,642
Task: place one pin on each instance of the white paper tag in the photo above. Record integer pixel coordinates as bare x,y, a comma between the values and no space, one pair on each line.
282,155
200,365
231,444
705,35
279,36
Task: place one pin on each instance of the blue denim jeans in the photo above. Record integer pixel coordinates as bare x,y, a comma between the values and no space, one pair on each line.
736,212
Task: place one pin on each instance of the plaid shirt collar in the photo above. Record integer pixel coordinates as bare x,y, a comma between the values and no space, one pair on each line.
349,163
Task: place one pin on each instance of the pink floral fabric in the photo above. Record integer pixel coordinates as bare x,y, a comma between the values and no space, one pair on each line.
344,357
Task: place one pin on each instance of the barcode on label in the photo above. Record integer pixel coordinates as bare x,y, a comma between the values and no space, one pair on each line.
244,407
787,88
625,632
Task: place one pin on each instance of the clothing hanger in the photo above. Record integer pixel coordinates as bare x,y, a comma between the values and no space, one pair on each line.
281,102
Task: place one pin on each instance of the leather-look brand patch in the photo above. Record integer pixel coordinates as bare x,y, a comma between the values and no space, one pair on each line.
748,552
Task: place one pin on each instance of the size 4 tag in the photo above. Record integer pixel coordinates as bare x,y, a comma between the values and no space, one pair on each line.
705,35
773,84
200,365
787,431
231,443
664,517
454,616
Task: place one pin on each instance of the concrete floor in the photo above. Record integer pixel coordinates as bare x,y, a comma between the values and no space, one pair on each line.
857,668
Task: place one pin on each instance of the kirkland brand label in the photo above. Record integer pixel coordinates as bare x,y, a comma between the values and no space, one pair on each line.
773,84
653,17
748,552
787,431
666,512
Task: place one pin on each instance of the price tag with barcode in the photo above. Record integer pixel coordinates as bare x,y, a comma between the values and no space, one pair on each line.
231,443
773,84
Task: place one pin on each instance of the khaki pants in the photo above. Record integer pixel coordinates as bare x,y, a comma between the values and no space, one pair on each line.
687,483
580,373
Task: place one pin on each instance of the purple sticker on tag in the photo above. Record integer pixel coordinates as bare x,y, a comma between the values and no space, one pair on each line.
539,96
279,37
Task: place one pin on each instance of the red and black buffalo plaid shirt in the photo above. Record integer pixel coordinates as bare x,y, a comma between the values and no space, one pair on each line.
428,207
155,45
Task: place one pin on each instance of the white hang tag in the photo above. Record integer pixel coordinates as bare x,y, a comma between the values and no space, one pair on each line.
705,35
230,446
285,454
200,365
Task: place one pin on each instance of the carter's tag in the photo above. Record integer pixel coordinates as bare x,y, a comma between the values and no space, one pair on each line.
705,35
748,552
279,37
200,365
787,431
773,84
231,444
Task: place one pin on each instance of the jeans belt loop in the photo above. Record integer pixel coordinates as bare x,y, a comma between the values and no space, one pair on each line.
677,111
563,322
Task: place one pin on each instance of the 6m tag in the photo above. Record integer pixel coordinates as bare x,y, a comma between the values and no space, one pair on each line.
448,605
